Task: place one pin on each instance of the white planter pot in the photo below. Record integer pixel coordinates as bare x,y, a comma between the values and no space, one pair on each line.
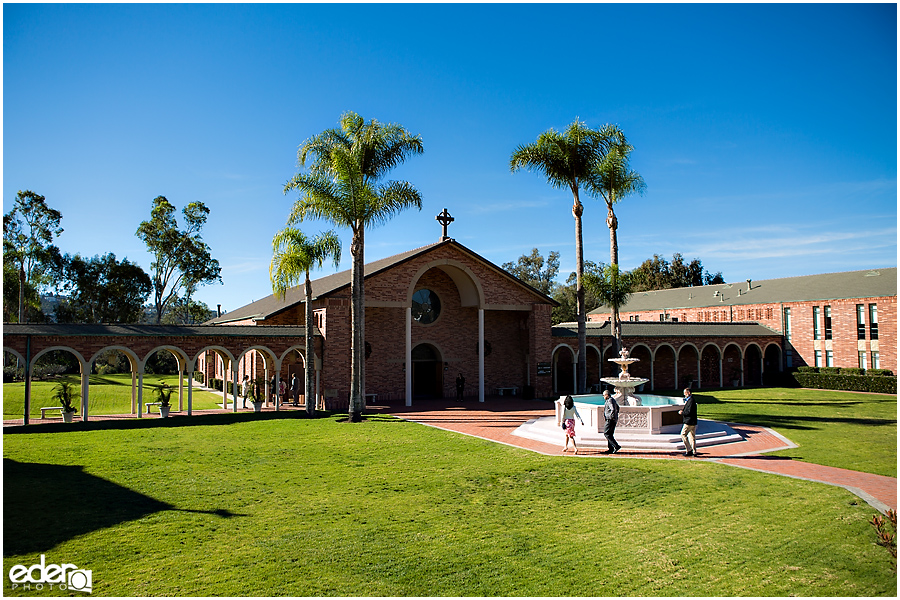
257,406
68,416
164,411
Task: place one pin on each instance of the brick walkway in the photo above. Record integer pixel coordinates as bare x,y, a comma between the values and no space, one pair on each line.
496,419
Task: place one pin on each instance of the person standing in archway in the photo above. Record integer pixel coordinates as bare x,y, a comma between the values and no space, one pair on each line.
295,390
460,386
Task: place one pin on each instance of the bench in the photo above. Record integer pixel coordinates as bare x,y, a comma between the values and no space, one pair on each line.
371,398
149,404
46,408
501,391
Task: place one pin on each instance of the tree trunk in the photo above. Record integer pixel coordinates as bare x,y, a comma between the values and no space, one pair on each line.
613,224
310,351
21,292
581,371
357,316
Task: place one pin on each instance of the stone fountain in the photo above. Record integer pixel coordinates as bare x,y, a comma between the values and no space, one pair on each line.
625,383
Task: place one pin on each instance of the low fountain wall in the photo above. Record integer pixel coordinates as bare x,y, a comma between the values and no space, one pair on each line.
632,419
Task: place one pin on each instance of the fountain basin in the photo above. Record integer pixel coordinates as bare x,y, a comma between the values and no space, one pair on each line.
657,414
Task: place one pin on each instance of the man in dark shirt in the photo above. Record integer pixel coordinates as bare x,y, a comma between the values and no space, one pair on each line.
689,429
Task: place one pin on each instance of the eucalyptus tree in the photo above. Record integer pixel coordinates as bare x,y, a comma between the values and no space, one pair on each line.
28,232
181,259
293,256
614,179
567,159
343,186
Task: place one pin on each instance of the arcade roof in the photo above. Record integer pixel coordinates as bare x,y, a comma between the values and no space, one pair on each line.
659,329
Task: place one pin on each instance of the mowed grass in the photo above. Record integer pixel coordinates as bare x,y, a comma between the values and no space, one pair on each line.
850,430
229,505
108,395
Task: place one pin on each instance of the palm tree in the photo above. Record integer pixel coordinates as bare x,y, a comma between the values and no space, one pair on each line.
342,186
613,288
294,255
614,179
567,159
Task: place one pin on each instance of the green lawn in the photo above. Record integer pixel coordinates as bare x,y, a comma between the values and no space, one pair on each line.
270,505
109,395
850,430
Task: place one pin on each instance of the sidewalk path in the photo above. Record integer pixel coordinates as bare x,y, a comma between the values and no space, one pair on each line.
496,419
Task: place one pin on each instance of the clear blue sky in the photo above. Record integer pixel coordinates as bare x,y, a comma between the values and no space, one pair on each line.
766,133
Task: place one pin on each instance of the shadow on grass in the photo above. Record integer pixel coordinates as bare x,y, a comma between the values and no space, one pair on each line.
45,505
794,421
172,421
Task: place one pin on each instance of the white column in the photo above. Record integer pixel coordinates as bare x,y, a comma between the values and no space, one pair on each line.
190,391
575,373
234,387
85,384
133,391
408,356
721,372
140,394
180,390
318,365
481,355
277,387
699,372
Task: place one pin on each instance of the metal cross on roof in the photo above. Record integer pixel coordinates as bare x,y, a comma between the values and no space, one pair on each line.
445,219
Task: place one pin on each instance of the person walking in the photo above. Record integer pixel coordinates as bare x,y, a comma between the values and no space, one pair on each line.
460,386
689,429
611,416
568,422
245,390
282,393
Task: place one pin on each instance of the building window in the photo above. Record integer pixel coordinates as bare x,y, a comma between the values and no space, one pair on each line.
817,329
662,317
787,324
860,322
829,358
818,359
828,323
862,360
789,358
873,322
426,306
876,364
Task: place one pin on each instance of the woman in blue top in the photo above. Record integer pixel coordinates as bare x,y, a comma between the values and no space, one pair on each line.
568,422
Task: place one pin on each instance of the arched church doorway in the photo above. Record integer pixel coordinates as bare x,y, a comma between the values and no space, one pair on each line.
427,372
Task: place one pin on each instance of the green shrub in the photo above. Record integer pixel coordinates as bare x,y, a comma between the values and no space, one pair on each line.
852,371
807,369
849,383
830,370
879,372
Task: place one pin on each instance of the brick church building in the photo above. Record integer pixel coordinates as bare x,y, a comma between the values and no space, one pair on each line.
426,310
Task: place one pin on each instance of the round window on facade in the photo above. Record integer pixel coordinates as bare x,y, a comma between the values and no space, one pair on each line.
426,306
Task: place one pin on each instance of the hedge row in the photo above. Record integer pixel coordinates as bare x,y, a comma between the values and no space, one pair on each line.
884,384
846,371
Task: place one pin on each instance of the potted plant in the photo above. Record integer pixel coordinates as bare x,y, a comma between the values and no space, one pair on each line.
736,377
65,394
163,396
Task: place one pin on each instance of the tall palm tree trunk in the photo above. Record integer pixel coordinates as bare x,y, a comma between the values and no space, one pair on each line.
357,315
309,392
581,371
613,224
